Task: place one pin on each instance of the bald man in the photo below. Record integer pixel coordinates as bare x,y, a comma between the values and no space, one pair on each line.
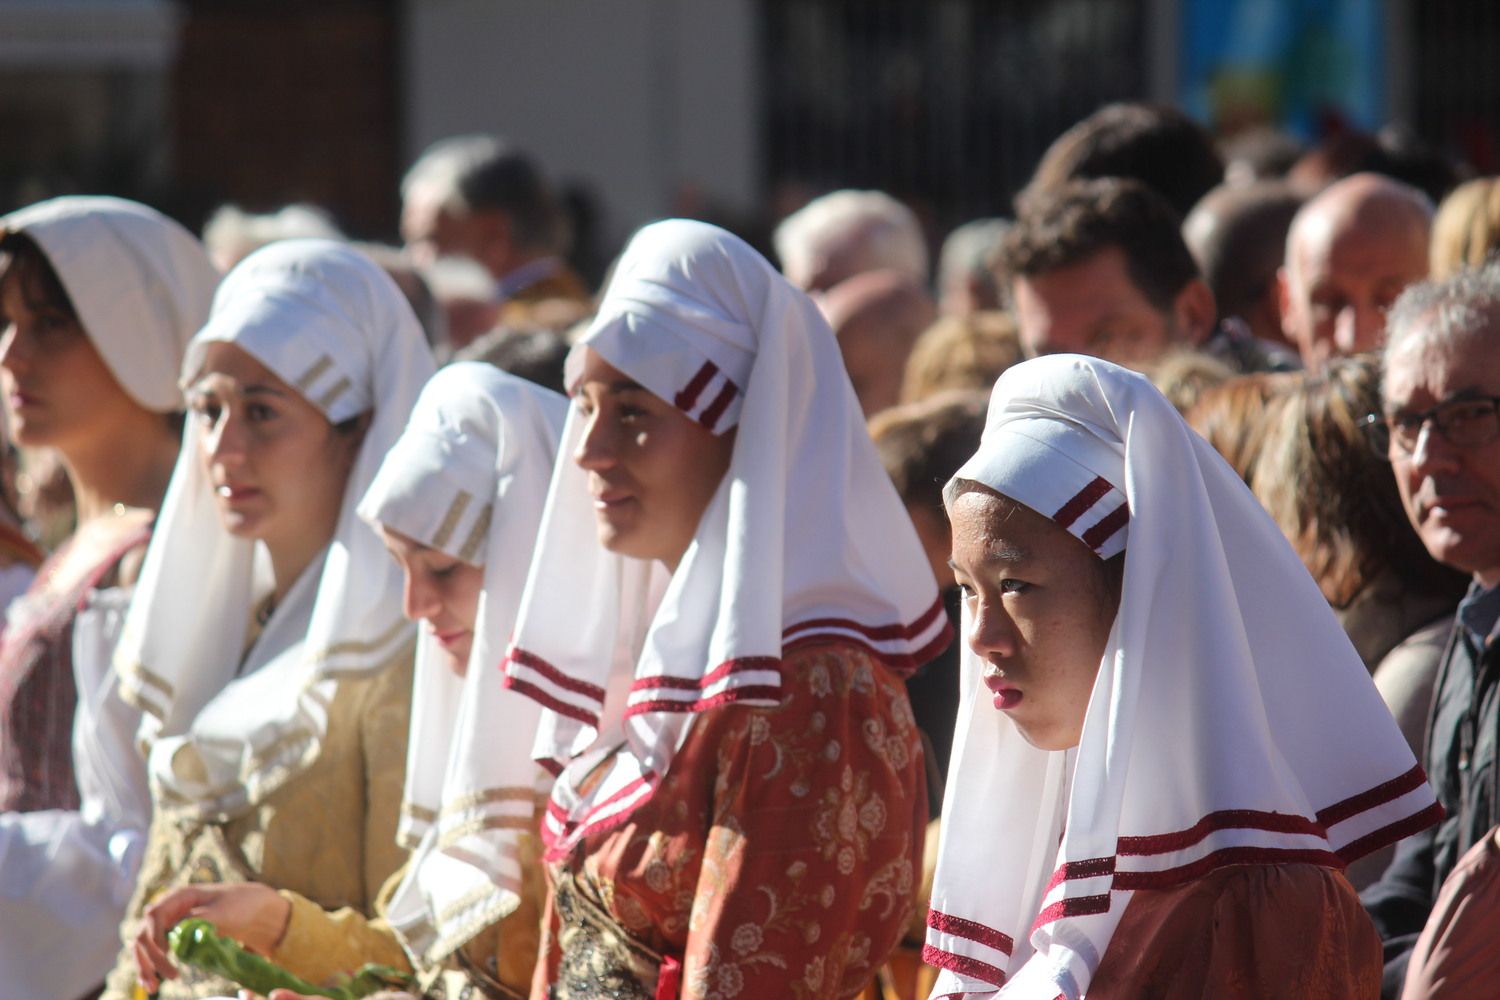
1350,252
877,317
1237,234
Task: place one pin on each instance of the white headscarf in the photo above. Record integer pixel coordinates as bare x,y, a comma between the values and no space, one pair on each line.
469,477
805,539
140,283
1231,721
331,324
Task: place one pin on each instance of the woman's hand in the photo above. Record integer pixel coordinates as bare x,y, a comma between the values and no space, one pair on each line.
251,913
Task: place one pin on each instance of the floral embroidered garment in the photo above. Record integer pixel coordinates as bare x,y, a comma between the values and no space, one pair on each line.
778,858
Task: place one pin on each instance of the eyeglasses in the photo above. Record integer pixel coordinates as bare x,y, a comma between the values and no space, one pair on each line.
1464,423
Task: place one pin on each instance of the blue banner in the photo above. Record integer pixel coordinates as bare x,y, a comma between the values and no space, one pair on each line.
1294,64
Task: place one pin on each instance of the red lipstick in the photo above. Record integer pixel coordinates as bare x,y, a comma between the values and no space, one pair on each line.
1007,696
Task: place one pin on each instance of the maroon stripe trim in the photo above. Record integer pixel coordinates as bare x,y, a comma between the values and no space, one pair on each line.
769,695
1224,819
1379,795
1107,526
901,663
962,964
1170,877
1079,906
723,670
1068,870
546,700
688,397
876,632
1391,833
1082,501
716,409
553,674
560,847
971,930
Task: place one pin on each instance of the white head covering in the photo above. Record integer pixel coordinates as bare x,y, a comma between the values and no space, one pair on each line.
140,283
805,539
332,325
469,477
1231,721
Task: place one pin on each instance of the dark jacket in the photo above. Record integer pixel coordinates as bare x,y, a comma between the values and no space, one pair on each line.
1463,742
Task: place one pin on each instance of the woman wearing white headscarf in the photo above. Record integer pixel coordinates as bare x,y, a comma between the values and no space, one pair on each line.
266,643
740,796
1178,750
458,502
99,297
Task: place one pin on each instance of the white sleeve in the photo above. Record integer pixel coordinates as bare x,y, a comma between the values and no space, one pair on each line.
64,886
66,877
110,768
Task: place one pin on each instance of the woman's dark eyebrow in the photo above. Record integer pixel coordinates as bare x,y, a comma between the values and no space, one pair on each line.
613,388
1006,552
254,389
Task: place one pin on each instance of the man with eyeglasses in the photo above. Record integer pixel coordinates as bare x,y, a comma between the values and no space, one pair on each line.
1440,428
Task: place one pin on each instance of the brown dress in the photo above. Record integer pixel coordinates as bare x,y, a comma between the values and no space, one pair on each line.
1294,932
778,858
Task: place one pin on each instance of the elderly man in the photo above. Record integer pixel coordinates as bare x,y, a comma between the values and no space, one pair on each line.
478,197
1099,267
1441,420
835,237
1350,252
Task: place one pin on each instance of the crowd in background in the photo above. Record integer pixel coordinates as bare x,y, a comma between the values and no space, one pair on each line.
1326,318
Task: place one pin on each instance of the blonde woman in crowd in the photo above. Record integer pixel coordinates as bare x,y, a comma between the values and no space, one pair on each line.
1466,228
725,597
98,297
266,643
967,352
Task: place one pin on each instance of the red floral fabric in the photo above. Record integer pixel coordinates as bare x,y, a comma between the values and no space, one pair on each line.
781,852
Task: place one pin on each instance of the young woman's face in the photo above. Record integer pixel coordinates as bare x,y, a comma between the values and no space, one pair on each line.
651,469
442,592
1041,606
277,466
58,391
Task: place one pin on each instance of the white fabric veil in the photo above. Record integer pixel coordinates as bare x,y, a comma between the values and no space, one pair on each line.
469,476
223,735
140,283
1231,721
805,539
